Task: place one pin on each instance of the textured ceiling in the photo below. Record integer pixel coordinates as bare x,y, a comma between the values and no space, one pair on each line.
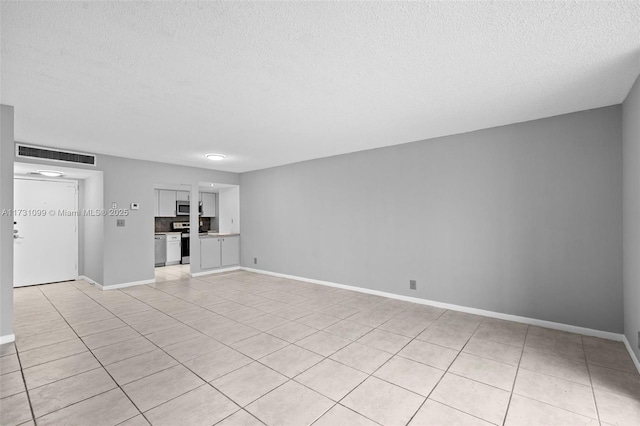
274,83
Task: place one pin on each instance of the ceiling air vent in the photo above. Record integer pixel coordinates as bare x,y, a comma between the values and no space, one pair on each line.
27,151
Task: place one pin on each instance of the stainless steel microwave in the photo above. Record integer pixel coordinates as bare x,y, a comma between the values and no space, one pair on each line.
183,208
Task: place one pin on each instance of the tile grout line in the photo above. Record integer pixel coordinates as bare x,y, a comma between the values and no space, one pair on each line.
24,382
385,363
564,379
513,386
444,374
593,391
236,412
101,365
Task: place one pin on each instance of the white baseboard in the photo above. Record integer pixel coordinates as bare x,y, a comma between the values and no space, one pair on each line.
508,317
123,285
89,280
7,339
215,271
631,352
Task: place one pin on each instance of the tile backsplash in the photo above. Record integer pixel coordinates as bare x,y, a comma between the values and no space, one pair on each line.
163,224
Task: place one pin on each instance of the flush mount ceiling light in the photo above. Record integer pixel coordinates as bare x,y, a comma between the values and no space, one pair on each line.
49,173
216,157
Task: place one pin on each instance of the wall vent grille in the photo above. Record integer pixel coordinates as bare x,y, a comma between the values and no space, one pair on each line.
26,151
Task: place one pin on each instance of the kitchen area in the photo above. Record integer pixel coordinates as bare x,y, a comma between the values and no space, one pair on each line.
217,234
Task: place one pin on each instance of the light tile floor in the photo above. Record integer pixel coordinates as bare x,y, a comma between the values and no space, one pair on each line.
172,273
250,349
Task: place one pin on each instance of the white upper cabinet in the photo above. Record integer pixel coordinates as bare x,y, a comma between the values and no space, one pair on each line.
155,206
208,204
166,203
182,195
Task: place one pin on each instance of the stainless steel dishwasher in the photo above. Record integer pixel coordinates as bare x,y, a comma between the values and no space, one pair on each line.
161,249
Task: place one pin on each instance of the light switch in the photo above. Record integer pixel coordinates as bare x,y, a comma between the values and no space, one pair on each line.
135,206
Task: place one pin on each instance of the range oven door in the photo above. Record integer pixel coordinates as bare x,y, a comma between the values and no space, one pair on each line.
185,249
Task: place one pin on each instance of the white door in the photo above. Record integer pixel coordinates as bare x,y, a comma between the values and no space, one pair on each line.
46,241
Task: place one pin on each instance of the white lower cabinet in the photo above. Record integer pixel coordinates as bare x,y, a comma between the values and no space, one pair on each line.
230,247
174,252
210,253
216,252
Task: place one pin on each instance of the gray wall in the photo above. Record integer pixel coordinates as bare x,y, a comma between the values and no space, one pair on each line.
524,219
128,252
631,141
92,238
6,221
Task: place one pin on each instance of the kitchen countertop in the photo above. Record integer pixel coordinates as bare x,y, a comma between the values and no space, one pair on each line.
202,234
217,234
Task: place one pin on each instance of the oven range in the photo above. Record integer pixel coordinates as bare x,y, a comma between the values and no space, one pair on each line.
184,228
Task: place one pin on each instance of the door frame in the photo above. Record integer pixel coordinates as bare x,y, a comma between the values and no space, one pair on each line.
76,246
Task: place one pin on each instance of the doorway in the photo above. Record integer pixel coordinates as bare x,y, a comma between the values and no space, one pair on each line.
172,226
45,231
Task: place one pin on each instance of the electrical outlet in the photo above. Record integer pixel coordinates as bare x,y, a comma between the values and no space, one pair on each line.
255,260
119,222
412,284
